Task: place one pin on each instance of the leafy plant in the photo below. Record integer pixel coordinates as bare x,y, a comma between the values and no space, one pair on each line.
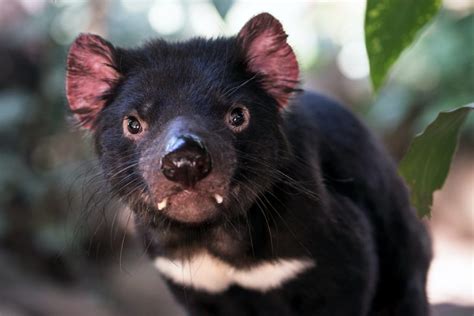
390,27
426,164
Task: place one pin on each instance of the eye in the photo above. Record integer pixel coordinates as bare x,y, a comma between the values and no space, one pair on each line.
238,118
133,125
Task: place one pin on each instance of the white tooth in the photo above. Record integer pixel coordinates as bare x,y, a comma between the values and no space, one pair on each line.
218,198
162,204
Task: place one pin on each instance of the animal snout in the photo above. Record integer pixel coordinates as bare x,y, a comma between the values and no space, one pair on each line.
187,160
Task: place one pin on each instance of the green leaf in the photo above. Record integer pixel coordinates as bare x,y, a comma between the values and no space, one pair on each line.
426,164
391,26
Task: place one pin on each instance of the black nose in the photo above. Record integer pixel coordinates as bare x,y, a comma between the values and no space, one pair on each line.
187,161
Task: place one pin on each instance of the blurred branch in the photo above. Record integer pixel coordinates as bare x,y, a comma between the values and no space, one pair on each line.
98,16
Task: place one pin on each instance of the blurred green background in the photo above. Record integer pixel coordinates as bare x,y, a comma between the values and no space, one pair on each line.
64,251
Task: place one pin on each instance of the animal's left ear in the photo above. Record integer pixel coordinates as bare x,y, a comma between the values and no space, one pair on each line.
269,55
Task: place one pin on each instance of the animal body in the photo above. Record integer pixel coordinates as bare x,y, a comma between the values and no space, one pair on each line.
251,196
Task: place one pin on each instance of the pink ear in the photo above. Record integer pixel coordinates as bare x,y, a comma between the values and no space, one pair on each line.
268,54
91,74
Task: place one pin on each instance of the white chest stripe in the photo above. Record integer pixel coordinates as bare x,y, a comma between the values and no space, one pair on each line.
206,272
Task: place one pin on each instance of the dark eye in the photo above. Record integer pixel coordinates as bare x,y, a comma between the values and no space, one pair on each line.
133,125
238,118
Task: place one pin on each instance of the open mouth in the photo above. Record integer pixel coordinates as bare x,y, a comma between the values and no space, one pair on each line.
164,202
191,206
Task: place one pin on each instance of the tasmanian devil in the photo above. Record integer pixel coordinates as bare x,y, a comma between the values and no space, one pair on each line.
251,197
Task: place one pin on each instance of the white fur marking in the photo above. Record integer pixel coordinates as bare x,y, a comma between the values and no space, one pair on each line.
206,272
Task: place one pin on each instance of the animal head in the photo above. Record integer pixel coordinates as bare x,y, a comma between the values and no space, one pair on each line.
189,131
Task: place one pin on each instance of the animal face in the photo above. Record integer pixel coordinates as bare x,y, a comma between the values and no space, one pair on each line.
188,132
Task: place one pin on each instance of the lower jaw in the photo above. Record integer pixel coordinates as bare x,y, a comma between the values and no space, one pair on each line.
191,210
190,206
192,218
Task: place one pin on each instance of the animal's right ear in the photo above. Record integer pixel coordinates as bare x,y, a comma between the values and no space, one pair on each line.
91,74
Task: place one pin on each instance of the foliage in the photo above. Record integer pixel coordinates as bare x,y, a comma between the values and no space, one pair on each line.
390,27
426,164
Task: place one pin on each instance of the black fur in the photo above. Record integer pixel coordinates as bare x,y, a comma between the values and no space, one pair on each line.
309,180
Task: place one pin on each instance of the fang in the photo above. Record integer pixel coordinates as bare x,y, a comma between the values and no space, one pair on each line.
218,198
162,204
